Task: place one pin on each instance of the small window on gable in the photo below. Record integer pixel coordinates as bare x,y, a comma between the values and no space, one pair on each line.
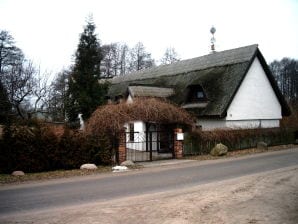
195,94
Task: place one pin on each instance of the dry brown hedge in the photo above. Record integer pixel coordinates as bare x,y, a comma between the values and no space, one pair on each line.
40,148
111,118
201,142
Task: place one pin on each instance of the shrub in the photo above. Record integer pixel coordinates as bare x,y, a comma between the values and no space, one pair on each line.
107,122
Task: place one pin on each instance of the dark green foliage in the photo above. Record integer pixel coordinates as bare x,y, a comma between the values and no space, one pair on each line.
5,106
85,92
38,148
200,143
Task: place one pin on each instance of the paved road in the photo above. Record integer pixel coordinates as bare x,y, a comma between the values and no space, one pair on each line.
110,186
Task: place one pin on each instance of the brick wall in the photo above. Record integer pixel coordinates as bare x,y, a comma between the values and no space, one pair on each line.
178,144
122,148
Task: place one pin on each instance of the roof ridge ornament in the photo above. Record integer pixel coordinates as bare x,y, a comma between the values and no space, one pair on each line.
212,31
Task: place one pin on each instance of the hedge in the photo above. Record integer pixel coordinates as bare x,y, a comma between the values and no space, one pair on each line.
35,148
201,142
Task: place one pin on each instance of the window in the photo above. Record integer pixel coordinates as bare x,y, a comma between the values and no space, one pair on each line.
119,98
131,132
195,94
200,94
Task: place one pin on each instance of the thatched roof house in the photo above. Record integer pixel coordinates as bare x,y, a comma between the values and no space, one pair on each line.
228,89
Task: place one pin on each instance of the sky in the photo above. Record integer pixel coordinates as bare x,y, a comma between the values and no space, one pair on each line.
48,30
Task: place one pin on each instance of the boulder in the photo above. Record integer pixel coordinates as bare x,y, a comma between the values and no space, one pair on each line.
18,173
88,166
262,145
119,168
127,163
219,150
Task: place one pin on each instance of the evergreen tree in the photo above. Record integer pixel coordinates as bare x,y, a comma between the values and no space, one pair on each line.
85,92
5,106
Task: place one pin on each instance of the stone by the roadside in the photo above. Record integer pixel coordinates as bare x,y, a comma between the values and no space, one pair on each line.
119,168
219,150
88,166
127,163
18,173
262,145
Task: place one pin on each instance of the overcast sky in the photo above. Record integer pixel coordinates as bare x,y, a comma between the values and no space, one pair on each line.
48,30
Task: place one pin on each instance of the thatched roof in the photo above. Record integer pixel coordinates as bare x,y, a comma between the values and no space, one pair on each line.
220,74
150,91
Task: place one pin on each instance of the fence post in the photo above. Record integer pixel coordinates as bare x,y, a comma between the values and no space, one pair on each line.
122,147
178,144
150,140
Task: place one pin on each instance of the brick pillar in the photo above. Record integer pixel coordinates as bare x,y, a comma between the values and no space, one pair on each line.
122,147
178,144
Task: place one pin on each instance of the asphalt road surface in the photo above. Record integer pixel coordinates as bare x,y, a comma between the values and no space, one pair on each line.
103,187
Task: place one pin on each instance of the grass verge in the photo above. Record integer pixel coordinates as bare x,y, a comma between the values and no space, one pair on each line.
9,179
241,152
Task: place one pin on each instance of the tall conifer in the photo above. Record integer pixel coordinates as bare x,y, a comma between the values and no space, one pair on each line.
85,92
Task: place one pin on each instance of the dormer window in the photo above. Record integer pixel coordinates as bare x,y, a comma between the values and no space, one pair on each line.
119,99
200,95
195,94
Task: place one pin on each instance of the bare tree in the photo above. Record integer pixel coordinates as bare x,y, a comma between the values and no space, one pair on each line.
170,56
17,75
115,59
140,58
19,82
286,74
110,61
124,51
57,96
40,91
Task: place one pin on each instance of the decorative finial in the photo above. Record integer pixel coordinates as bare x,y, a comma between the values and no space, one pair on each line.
212,31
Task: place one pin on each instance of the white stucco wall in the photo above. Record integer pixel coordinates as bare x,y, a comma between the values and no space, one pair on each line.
139,142
248,124
129,99
255,98
139,137
211,124
255,105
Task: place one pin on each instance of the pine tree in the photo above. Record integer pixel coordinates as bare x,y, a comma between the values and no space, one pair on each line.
5,106
85,92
